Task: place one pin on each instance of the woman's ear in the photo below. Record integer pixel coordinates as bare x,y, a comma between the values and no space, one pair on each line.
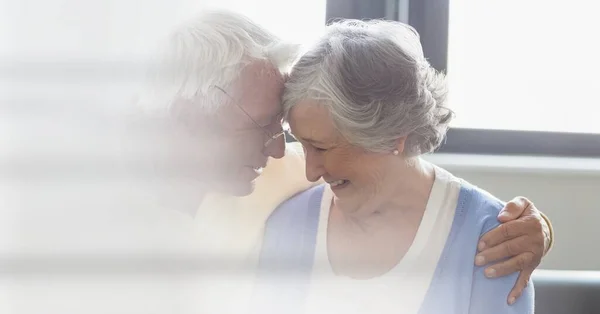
400,144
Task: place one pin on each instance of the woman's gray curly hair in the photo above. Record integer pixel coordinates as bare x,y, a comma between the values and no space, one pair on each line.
377,85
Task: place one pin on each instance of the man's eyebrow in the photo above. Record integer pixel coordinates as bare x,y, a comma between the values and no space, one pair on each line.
269,119
278,117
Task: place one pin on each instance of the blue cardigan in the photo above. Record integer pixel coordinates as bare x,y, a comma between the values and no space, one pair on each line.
457,287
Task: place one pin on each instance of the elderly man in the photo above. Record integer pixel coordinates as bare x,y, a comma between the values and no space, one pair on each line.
218,94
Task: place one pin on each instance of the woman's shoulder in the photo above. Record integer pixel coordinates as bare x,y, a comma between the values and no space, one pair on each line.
487,295
474,206
298,205
479,206
290,232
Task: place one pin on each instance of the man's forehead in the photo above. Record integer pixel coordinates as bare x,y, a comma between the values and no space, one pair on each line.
258,91
259,74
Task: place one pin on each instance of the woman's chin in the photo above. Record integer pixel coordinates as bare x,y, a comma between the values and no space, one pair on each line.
341,190
339,187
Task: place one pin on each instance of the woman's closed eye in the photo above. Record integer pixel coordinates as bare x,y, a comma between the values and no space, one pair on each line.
315,148
309,145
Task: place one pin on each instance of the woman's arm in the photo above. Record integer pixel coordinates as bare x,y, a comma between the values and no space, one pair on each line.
520,242
486,295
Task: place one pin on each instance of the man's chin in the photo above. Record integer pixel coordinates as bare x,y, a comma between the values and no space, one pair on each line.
240,189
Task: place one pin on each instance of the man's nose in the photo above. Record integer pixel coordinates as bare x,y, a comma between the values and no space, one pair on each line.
276,148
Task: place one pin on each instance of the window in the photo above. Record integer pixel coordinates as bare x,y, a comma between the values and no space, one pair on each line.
521,73
524,65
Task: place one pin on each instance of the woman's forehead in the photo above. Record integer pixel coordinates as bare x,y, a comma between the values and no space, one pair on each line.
310,120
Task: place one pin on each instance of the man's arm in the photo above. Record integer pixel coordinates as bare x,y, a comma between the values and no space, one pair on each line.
521,241
550,232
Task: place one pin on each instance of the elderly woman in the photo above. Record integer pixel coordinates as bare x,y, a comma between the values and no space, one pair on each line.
389,232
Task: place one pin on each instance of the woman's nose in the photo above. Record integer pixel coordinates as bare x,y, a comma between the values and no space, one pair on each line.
314,168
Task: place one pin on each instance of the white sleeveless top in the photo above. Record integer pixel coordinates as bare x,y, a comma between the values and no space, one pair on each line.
402,289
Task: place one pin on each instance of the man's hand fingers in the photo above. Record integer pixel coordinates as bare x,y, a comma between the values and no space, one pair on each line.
515,264
514,209
502,251
520,285
502,233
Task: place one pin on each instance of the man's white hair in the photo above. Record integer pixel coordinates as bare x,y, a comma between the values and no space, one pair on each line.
207,51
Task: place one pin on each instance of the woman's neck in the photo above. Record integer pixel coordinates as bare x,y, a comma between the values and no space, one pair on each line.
370,241
405,190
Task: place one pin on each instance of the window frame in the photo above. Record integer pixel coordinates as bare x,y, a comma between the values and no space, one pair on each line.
430,18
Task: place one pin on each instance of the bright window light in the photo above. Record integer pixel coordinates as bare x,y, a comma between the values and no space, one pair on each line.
525,65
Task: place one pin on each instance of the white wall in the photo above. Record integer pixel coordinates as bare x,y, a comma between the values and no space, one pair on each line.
566,189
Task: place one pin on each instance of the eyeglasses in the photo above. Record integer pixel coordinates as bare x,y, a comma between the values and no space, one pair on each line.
270,135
